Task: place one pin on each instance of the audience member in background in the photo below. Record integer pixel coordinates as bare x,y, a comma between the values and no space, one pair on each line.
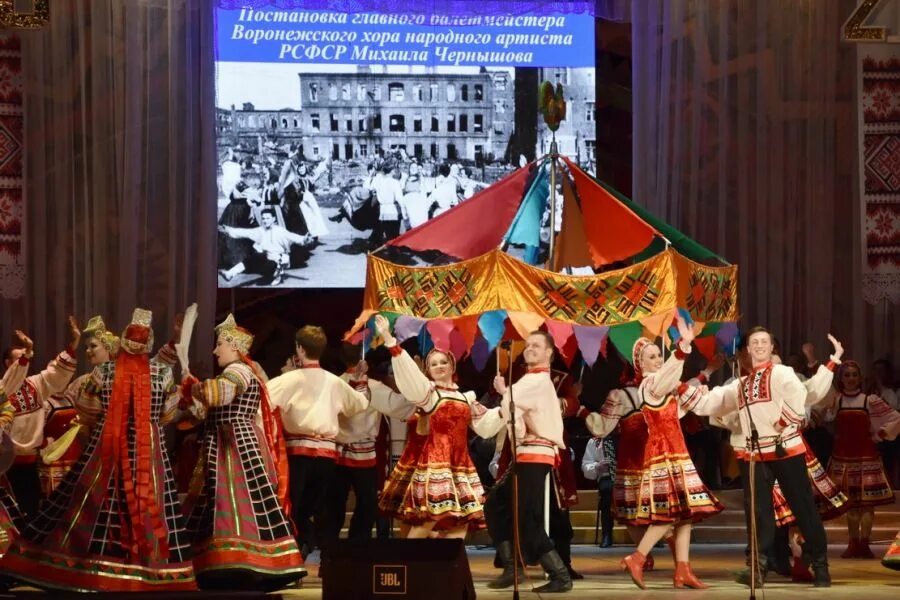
599,464
812,363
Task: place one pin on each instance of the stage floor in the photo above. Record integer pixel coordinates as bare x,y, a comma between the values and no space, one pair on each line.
714,563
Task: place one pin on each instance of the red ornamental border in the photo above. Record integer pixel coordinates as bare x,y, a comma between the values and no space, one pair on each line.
12,202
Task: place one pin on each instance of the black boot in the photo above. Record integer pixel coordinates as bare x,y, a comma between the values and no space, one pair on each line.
606,540
507,578
744,575
560,581
821,577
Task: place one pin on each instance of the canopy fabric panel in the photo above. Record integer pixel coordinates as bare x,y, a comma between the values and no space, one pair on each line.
497,281
474,226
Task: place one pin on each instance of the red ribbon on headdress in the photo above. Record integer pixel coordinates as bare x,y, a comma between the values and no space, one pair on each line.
274,439
131,397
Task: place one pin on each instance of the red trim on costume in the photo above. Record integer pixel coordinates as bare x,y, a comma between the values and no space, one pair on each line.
538,458
395,350
831,366
445,388
790,451
311,365
680,354
82,574
538,370
367,463
215,559
682,388
702,378
312,452
24,360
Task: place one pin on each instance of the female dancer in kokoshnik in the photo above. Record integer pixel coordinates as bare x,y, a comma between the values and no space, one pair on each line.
671,493
439,486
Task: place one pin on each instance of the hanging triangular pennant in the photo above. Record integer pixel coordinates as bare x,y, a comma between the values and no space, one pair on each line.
525,322
425,342
728,338
440,332
480,353
515,350
492,325
655,325
468,328
559,331
590,339
624,336
458,345
407,327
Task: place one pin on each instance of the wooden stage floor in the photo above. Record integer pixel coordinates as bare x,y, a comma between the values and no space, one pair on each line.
714,563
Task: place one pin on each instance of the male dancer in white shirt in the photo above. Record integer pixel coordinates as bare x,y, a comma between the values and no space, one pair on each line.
538,435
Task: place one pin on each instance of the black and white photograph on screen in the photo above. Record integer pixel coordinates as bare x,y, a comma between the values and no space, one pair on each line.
321,164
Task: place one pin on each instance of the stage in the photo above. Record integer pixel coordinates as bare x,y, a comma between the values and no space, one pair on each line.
714,563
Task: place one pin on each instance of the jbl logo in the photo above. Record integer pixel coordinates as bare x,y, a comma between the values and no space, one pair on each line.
389,579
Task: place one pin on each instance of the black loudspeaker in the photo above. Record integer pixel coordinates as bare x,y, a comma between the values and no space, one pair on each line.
397,569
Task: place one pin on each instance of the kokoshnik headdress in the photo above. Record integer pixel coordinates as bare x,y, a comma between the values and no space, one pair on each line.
96,328
138,336
233,334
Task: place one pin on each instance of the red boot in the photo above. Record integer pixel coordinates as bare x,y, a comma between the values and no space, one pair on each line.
800,573
649,562
684,577
852,549
634,564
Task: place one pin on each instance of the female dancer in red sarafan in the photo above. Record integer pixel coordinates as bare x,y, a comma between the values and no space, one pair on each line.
856,467
444,492
671,492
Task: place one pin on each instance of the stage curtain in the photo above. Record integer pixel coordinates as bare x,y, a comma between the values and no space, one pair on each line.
745,140
120,166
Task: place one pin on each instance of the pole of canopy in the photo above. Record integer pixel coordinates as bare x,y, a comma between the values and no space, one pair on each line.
554,155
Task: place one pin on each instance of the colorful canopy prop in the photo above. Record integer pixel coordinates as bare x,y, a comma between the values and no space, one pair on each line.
470,305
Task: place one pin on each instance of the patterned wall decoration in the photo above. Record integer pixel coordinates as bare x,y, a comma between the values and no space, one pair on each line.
880,164
12,206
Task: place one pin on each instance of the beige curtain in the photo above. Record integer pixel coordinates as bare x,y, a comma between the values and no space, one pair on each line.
120,165
745,138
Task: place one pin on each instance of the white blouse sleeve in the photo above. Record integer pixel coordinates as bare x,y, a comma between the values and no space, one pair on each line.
412,383
486,422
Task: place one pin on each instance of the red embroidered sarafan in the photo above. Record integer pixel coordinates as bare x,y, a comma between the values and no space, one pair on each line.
670,489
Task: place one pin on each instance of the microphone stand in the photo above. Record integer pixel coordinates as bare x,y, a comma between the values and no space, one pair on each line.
513,465
755,451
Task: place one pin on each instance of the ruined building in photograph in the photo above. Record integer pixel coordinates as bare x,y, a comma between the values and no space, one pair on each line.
359,115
